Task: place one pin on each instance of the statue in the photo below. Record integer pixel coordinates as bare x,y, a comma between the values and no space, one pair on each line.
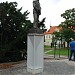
36,12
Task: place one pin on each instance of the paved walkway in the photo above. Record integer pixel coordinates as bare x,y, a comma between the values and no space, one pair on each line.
51,67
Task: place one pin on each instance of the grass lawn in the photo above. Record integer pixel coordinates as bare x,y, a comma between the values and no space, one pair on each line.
63,51
47,47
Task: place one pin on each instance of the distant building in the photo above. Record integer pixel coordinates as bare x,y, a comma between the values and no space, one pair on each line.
49,34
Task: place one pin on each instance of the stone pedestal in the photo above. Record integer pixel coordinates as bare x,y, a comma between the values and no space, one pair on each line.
35,52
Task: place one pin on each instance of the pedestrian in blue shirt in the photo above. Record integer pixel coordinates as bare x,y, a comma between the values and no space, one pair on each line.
72,49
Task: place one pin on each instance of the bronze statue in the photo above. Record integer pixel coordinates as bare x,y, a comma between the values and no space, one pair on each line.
36,12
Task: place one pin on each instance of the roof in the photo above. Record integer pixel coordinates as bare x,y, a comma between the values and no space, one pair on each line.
52,29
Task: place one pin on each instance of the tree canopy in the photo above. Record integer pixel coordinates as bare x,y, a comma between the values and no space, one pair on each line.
68,26
14,27
13,23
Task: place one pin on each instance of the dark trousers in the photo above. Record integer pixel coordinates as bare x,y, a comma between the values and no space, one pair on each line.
71,53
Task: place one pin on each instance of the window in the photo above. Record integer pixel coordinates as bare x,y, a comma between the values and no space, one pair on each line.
49,36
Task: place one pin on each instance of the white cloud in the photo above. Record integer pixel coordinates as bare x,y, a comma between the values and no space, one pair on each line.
56,9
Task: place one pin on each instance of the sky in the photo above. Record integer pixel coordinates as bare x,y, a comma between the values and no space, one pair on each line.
51,9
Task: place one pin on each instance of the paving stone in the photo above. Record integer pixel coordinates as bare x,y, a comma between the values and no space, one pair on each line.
51,67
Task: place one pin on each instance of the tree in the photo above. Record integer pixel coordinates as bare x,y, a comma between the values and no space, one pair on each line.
42,25
69,16
57,36
14,27
68,26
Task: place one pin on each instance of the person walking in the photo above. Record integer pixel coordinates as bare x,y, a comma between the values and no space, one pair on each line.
72,49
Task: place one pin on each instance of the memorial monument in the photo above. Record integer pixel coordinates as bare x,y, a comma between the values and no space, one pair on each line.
36,14
35,43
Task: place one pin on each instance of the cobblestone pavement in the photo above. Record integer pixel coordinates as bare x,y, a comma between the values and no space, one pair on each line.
51,67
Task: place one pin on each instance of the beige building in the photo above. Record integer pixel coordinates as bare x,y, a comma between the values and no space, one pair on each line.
49,34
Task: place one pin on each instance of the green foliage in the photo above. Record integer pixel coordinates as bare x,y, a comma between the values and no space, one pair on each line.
69,17
41,24
57,35
68,26
67,33
14,27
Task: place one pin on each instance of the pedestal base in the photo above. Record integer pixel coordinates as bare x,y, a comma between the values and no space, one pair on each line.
35,71
36,30
35,52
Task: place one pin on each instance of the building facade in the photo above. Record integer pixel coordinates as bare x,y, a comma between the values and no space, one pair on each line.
49,34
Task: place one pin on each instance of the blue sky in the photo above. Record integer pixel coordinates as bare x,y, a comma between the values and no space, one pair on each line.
51,9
